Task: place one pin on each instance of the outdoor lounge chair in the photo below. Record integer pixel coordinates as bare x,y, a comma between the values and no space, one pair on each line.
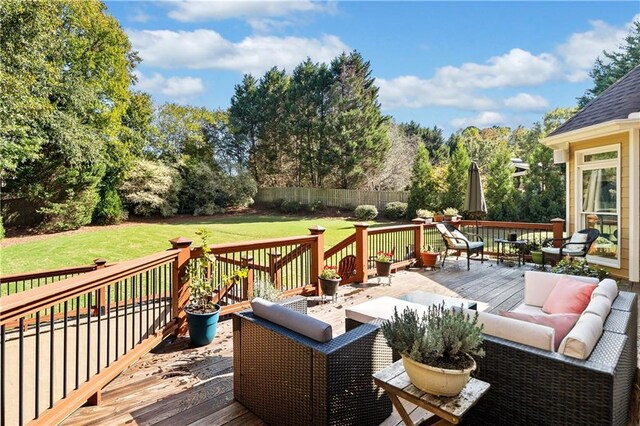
457,241
577,245
287,378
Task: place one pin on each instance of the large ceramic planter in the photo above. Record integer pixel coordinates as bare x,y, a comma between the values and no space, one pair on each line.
429,259
383,269
329,287
434,380
536,257
202,326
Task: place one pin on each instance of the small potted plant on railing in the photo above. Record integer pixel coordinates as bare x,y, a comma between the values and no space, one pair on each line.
438,217
202,312
384,260
429,257
330,281
437,350
425,214
450,214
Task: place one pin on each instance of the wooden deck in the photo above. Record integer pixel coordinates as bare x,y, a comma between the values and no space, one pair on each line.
179,385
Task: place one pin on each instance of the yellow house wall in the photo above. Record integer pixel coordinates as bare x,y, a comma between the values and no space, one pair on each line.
625,211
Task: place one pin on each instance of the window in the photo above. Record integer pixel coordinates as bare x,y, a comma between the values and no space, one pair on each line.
598,201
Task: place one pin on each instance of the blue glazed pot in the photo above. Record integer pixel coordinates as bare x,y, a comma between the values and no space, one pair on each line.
202,327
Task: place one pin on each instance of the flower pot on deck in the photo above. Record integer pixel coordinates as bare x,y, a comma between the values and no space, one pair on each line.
429,259
202,326
329,286
536,257
383,269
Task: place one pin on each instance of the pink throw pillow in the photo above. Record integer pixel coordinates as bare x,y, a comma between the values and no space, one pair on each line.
561,323
569,296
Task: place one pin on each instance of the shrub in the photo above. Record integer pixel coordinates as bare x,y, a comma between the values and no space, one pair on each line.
291,206
440,338
572,266
72,213
151,188
395,210
1,227
277,203
109,208
237,191
200,187
365,212
450,211
314,207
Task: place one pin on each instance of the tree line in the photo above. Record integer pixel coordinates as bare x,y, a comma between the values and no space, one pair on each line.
82,145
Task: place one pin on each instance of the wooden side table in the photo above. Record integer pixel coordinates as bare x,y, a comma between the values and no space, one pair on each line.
396,384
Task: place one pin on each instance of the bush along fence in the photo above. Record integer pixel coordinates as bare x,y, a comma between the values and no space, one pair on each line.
65,334
341,198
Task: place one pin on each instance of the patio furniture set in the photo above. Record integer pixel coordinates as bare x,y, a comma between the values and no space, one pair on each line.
290,369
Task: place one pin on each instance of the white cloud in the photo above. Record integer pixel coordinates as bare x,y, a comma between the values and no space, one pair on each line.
139,16
580,50
190,11
483,119
206,49
526,102
179,89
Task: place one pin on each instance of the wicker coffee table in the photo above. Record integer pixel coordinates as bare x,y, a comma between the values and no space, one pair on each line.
449,410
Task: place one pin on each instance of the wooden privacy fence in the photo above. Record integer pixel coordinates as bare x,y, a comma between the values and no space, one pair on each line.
343,198
65,334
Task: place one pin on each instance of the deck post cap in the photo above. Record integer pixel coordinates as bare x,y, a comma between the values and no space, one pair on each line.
180,242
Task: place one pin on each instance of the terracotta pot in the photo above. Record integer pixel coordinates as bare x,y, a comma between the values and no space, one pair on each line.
438,217
329,286
429,259
434,380
383,269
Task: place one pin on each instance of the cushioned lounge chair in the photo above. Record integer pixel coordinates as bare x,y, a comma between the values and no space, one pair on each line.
457,241
577,245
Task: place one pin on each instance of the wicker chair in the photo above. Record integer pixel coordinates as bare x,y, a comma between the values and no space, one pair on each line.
568,248
531,386
288,379
457,241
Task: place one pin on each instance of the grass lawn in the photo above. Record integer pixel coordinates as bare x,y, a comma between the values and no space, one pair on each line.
132,241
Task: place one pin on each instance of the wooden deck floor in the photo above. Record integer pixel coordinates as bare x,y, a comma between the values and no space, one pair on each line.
179,385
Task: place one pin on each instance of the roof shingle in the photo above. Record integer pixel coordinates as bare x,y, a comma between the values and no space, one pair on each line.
616,102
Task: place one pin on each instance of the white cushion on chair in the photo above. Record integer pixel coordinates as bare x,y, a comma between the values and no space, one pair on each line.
566,250
577,237
458,234
472,245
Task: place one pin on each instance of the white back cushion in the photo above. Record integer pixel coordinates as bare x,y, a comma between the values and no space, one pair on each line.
607,288
538,285
600,306
577,238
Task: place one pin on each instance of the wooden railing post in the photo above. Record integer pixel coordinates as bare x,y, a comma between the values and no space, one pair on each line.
180,290
247,283
362,252
558,230
274,272
101,296
418,239
317,256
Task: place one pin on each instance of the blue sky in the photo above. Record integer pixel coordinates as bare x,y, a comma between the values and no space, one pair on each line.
450,64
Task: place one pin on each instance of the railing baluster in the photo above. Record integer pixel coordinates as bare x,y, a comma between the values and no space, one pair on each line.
21,372
108,325
51,355
3,377
117,339
99,325
140,319
77,372
147,299
133,312
88,336
126,281
65,355
37,365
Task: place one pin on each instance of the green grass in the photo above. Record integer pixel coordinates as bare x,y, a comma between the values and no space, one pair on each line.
130,242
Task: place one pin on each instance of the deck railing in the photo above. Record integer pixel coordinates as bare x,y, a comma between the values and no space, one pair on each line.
62,342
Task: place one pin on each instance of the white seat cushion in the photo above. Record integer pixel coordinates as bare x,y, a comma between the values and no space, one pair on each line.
472,245
528,309
566,250
583,337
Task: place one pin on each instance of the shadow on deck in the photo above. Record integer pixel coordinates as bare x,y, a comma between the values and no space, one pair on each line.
179,385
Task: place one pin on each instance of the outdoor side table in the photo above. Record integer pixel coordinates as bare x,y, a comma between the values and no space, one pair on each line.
396,384
519,244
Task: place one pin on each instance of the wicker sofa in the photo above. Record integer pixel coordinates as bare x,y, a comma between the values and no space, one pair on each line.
536,386
286,378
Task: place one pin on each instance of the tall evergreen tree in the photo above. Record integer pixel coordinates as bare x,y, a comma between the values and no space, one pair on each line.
456,178
244,119
501,195
544,190
615,65
421,193
358,130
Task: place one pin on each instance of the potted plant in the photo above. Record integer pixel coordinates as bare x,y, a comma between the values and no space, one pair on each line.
534,250
384,261
425,214
437,350
429,257
329,281
450,214
202,312
438,217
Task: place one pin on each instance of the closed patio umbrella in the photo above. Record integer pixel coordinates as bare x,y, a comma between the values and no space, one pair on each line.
474,202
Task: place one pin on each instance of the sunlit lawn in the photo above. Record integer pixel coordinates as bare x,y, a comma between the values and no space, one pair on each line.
129,242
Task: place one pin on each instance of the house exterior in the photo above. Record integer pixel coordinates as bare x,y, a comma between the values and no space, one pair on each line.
601,148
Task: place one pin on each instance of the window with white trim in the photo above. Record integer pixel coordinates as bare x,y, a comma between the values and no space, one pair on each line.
598,200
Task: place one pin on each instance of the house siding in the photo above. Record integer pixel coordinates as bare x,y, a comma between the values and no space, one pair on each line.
624,233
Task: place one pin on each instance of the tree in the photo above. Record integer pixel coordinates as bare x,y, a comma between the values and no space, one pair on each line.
244,118
66,71
544,191
432,139
501,196
393,173
607,71
421,194
358,130
456,178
